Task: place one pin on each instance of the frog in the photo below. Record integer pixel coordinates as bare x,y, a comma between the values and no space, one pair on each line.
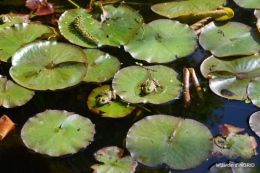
149,85
105,97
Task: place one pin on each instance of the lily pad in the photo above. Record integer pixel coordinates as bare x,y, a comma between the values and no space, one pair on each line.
159,139
116,29
178,8
12,95
127,84
114,109
254,122
230,39
230,77
101,66
113,161
57,133
248,3
17,36
162,41
49,65
253,91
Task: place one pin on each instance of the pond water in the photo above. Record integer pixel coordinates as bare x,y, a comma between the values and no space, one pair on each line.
16,158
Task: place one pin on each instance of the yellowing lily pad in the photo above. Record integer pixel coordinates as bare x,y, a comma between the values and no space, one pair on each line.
130,82
230,39
179,143
12,95
116,29
230,77
113,161
57,133
49,65
162,41
17,36
100,66
113,108
178,8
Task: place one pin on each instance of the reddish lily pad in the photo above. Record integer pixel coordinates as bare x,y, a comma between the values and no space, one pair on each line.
57,133
49,65
12,95
162,41
113,109
230,39
113,161
159,139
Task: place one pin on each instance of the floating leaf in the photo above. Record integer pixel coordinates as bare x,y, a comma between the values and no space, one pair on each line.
159,139
253,91
230,39
17,36
248,3
234,145
57,133
113,109
127,83
49,65
12,95
162,41
254,122
101,66
229,77
6,125
116,29
113,161
179,8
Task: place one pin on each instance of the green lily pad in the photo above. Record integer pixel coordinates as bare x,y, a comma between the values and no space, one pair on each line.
235,146
230,39
178,8
12,95
114,109
248,3
57,133
162,41
159,139
253,91
17,36
254,122
113,161
127,83
230,77
117,29
49,65
101,66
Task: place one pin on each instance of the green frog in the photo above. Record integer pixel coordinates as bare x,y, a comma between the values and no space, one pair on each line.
149,86
105,97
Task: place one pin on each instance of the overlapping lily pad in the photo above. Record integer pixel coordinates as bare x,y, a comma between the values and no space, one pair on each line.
49,65
248,3
127,84
162,41
230,77
230,39
113,109
254,122
116,29
159,139
113,161
17,36
101,66
12,95
57,133
178,8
